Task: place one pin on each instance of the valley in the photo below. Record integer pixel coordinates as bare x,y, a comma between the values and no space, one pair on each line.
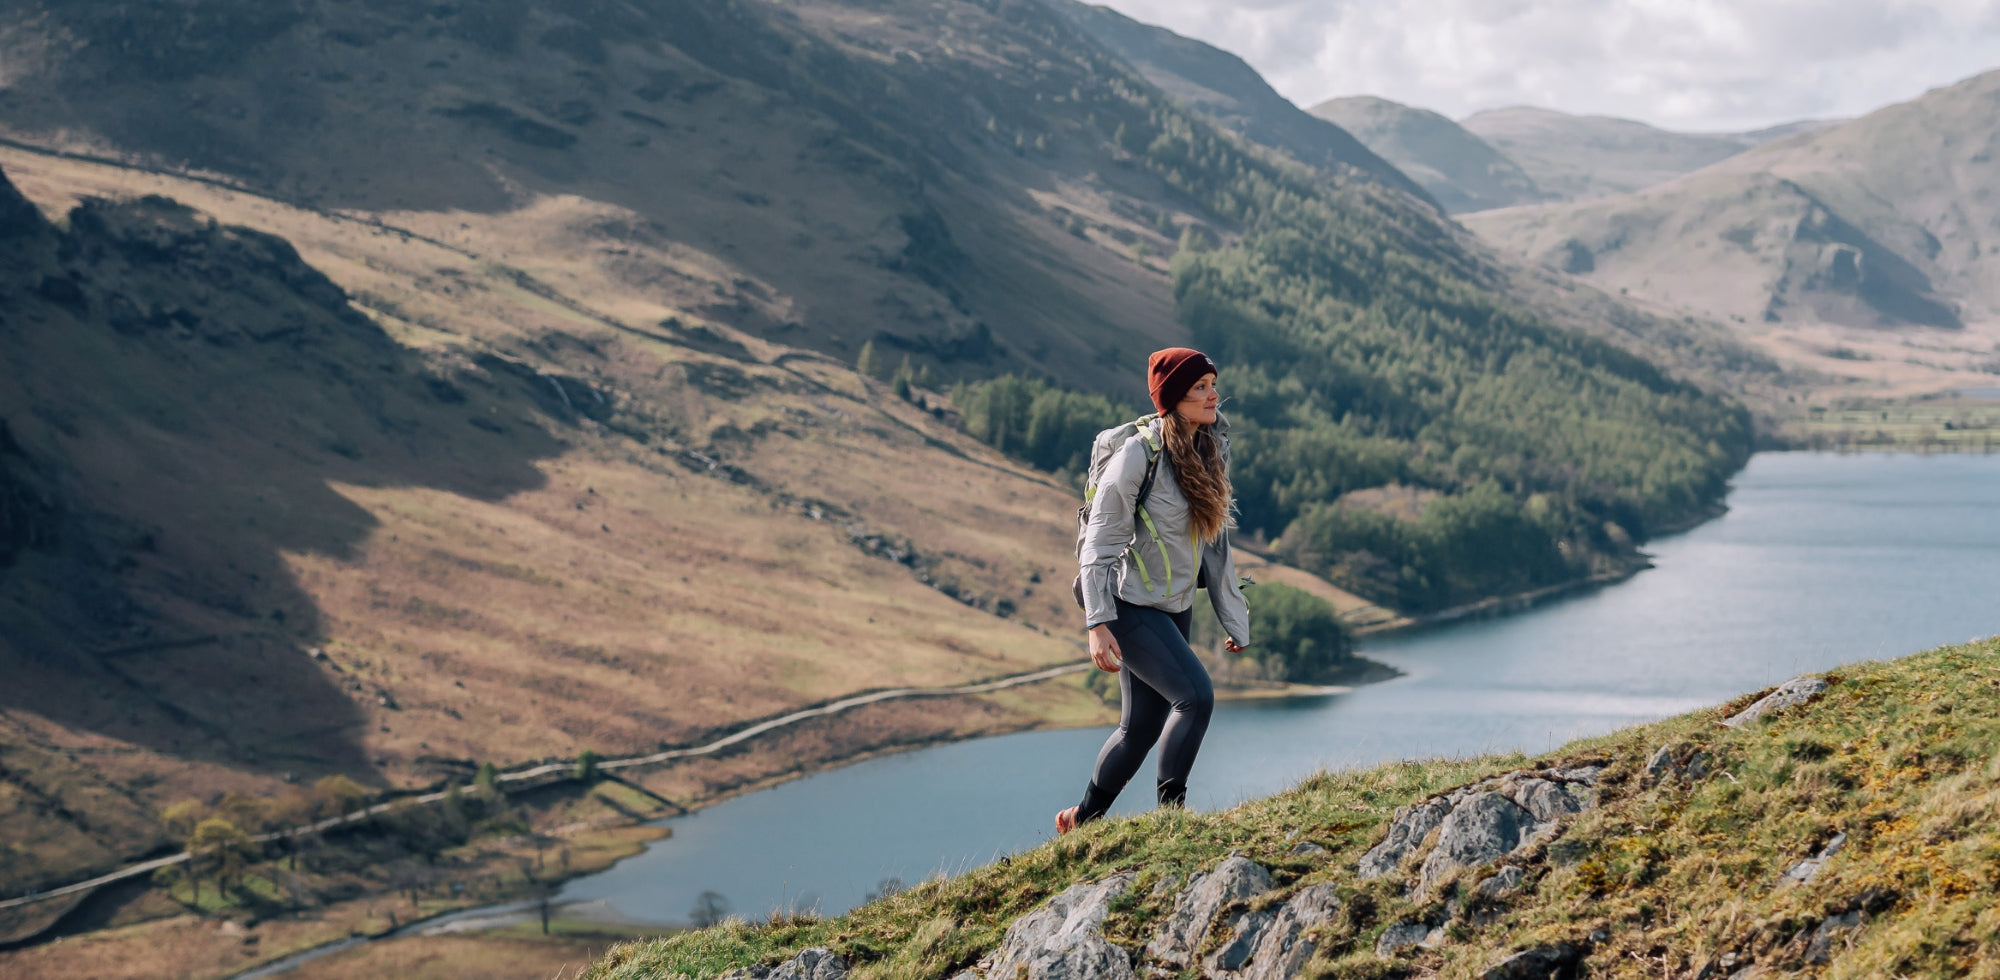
394,395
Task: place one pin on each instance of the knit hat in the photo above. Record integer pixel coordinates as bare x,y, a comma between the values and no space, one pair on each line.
1171,372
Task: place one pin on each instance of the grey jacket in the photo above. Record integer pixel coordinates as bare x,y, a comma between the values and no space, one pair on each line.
1120,557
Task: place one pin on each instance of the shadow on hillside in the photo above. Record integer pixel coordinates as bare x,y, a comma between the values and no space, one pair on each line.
179,403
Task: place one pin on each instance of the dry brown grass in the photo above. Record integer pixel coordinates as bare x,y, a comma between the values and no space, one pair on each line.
605,595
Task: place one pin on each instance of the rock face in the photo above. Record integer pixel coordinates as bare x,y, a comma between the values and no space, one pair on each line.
1481,823
1064,939
1270,945
1790,694
1407,831
1232,881
1265,944
817,963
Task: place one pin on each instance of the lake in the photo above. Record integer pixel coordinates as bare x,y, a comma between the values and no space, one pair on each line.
1822,560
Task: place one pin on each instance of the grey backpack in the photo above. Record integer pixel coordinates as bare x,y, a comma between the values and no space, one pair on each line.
1102,448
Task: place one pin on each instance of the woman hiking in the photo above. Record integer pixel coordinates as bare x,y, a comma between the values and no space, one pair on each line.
1142,553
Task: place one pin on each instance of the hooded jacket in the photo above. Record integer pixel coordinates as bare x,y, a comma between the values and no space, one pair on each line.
1121,557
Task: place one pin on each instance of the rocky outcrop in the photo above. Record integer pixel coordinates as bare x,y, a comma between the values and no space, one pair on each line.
1234,881
1677,761
1790,694
1480,823
1270,944
1062,940
817,963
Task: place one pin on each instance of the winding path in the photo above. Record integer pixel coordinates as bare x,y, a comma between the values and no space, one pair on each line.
549,769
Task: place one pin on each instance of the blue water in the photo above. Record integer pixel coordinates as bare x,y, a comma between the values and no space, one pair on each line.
1822,560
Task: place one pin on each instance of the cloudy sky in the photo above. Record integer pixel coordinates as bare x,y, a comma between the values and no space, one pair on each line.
1683,64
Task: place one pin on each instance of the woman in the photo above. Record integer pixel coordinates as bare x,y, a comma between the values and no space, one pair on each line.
1138,572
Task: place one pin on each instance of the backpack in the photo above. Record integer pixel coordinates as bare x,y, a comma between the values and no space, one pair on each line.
1102,448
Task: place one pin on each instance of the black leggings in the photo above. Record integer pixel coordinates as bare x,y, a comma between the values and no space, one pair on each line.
1166,692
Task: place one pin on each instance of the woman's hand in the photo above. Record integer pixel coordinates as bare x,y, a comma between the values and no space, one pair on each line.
1232,646
1104,650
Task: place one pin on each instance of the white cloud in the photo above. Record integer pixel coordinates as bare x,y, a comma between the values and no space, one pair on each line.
1682,64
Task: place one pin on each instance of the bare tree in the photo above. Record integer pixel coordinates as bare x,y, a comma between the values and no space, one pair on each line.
710,908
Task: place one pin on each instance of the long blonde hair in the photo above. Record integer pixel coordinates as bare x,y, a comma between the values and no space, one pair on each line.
1202,473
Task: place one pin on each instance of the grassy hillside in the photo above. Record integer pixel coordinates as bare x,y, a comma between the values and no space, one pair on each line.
1816,242
1462,171
434,509
1849,837
1223,89
1580,158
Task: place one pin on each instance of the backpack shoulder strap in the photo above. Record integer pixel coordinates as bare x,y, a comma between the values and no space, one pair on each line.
1153,453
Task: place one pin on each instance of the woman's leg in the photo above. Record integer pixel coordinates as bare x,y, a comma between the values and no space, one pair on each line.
1164,688
1180,677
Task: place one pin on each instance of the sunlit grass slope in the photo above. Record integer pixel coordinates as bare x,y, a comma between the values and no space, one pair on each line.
1669,875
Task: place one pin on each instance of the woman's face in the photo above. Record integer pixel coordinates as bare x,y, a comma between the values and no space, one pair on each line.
1201,401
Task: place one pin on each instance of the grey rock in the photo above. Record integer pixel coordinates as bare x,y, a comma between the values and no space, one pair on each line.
816,963
1064,939
1790,694
1234,880
1308,849
1678,760
1540,963
1587,775
1407,830
1274,945
1548,800
1242,942
1819,949
1484,827
1804,871
1507,879
1400,936
1509,810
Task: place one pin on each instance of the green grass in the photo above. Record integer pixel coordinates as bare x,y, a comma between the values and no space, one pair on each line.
1947,425
1899,755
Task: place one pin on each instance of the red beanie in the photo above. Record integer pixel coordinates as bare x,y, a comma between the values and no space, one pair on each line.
1171,372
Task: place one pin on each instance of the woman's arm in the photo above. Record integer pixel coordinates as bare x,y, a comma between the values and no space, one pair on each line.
1225,593
1108,531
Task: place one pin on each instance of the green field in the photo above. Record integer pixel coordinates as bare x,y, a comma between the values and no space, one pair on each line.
1946,424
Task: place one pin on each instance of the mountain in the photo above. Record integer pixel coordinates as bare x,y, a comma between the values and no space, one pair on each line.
1462,171
1885,221
1221,87
399,388
1576,158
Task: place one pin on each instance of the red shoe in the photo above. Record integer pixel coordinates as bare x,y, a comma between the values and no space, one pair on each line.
1065,821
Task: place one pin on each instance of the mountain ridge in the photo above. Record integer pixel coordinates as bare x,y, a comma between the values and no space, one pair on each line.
1811,242
1460,169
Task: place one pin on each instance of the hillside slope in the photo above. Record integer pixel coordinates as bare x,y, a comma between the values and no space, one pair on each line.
1223,88
1850,836
1462,171
1886,221
254,535
1580,158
